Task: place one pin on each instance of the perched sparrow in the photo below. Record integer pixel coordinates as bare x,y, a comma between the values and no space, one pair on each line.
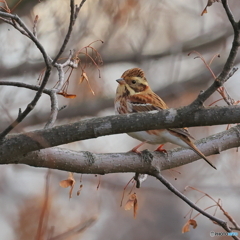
134,95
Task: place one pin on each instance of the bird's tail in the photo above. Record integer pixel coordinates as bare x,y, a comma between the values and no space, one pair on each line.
197,151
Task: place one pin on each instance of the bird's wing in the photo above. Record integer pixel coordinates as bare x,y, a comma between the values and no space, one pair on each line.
146,102
181,131
150,102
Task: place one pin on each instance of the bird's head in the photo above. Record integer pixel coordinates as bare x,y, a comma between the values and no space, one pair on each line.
133,81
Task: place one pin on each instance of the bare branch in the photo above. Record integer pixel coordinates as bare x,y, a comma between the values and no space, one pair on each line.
219,221
24,85
223,76
21,144
47,60
73,17
29,107
229,14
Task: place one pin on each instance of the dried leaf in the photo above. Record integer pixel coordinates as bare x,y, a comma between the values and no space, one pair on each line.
209,3
85,77
69,182
132,203
186,227
66,95
81,79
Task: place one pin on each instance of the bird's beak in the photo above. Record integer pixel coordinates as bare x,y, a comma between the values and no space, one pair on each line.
121,81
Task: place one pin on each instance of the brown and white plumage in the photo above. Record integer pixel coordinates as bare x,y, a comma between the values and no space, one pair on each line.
134,95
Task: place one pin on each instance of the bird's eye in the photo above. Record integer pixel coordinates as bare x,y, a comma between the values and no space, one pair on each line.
133,81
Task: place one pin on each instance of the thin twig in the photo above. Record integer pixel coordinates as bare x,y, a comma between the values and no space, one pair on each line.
24,85
47,60
219,221
75,230
44,211
29,107
223,76
73,16
229,14
53,97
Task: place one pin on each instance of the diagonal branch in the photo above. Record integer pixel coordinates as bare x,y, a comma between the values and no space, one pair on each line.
219,221
73,17
47,73
223,76
29,107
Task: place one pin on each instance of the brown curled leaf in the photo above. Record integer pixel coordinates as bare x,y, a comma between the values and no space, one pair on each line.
186,227
66,95
209,3
69,182
132,203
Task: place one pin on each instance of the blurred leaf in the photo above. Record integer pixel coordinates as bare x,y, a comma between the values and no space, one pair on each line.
85,77
186,227
132,203
209,3
70,182
66,95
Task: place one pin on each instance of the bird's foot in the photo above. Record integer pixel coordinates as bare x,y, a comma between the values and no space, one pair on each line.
135,149
161,149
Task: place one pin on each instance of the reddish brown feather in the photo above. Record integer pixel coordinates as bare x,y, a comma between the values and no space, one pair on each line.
149,98
134,72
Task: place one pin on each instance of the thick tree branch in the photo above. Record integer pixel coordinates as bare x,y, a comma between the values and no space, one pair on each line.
104,163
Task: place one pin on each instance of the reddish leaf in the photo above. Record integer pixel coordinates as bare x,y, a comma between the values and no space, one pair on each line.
69,182
85,77
132,203
209,3
186,227
66,95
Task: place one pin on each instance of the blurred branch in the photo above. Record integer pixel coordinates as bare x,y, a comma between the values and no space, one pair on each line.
75,230
202,44
44,211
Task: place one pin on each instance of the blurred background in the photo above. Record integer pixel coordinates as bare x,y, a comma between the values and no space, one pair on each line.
156,36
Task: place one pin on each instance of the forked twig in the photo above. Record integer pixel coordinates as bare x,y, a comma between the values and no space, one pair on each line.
219,221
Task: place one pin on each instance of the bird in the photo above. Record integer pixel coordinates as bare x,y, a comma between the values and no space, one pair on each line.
134,95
